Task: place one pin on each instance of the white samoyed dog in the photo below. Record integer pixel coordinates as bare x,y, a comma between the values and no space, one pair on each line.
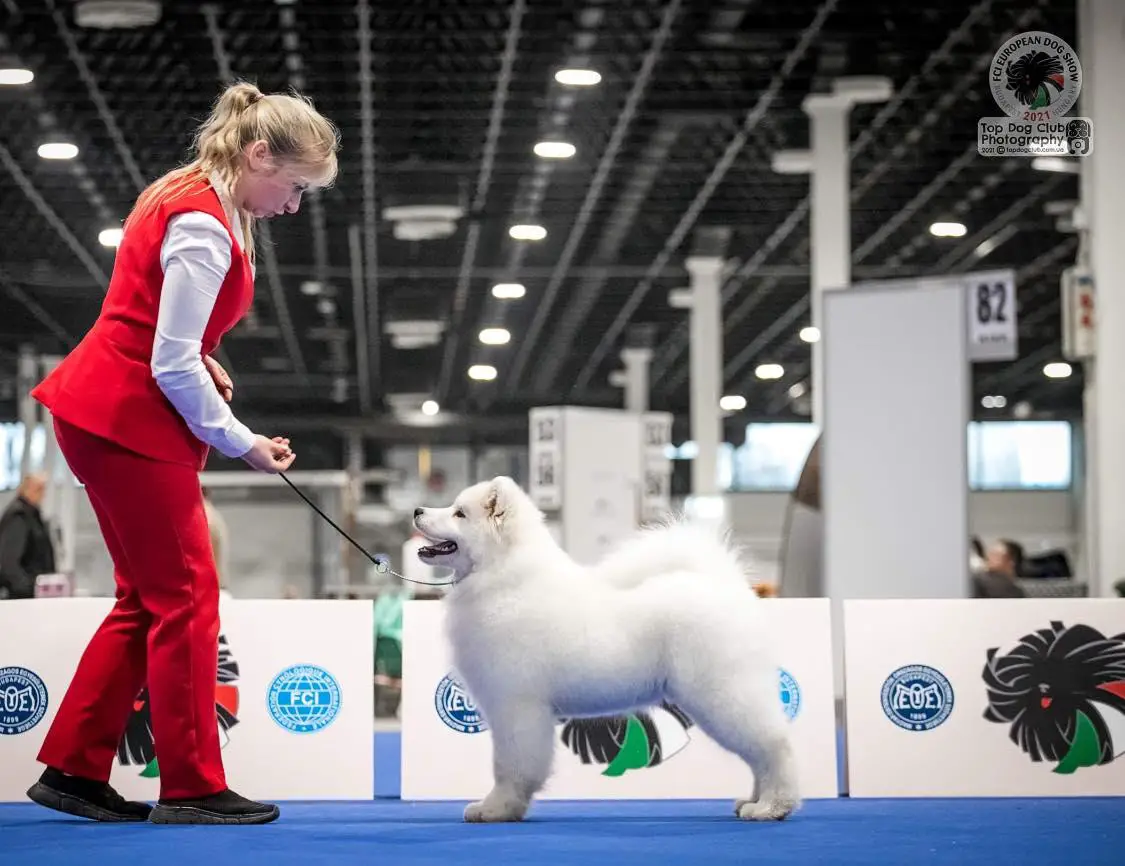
669,616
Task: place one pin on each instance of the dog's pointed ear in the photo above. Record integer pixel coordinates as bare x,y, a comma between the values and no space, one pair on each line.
499,501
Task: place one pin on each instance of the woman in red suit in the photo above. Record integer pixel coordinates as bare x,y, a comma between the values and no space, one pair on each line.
136,406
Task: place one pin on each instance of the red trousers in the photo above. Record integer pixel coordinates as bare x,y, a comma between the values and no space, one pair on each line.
163,630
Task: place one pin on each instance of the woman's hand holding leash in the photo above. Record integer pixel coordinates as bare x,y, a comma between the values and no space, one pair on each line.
270,455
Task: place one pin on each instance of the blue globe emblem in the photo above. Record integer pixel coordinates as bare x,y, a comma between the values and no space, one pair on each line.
790,694
23,700
917,698
456,708
304,699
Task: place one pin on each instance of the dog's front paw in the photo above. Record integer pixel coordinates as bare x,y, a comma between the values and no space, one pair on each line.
765,810
491,811
739,804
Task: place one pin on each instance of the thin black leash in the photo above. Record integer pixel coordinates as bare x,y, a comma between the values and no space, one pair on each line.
381,565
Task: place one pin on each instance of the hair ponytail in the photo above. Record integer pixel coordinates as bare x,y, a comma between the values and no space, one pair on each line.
241,115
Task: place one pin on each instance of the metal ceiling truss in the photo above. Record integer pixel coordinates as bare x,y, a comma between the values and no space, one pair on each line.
466,272
1025,277
327,304
590,203
867,137
718,172
962,252
92,88
373,336
52,218
561,103
36,309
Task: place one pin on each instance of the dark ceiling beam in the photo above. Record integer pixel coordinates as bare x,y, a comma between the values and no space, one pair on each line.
359,320
53,219
36,309
687,220
266,248
456,429
69,284
644,176
480,198
893,268
560,104
48,121
1034,269
963,256
373,343
90,81
552,355
327,306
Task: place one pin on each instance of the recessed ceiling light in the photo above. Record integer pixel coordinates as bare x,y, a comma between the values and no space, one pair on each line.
495,336
430,407
732,403
14,76
508,291
482,372
57,150
578,77
994,401
810,334
1057,370
948,230
1055,163
110,237
555,149
769,371
527,233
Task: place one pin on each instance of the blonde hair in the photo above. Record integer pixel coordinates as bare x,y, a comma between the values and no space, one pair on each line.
294,131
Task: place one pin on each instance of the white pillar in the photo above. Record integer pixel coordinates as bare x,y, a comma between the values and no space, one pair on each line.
830,217
54,466
27,377
1102,52
635,378
346,562
706,354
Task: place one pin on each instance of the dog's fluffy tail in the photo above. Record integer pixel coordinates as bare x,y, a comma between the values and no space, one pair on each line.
675,545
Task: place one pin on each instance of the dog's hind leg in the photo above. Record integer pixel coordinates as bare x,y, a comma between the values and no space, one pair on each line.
523,747
739,722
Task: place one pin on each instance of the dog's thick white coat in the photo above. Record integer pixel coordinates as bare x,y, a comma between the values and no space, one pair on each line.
669,615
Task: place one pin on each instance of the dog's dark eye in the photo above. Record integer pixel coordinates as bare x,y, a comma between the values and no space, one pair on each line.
460,512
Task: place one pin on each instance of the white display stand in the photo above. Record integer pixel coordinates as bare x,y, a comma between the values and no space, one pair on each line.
894,456
320,746
598,473
447,754
919,688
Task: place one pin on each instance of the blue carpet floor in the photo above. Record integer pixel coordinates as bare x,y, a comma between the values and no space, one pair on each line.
389,831
825,833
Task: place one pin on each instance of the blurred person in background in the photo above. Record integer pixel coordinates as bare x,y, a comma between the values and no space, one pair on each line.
26,549
1003,565
977,560
136,406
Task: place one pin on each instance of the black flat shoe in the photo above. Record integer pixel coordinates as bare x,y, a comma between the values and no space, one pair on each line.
226,807
85,798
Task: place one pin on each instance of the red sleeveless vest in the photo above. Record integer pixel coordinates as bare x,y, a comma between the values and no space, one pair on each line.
105,385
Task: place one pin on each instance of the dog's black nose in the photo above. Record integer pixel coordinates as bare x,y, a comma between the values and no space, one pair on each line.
418,512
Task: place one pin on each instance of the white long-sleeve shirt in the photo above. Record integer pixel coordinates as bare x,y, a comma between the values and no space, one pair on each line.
195,256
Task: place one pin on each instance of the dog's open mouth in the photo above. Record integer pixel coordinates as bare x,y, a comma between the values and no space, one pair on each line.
441,548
